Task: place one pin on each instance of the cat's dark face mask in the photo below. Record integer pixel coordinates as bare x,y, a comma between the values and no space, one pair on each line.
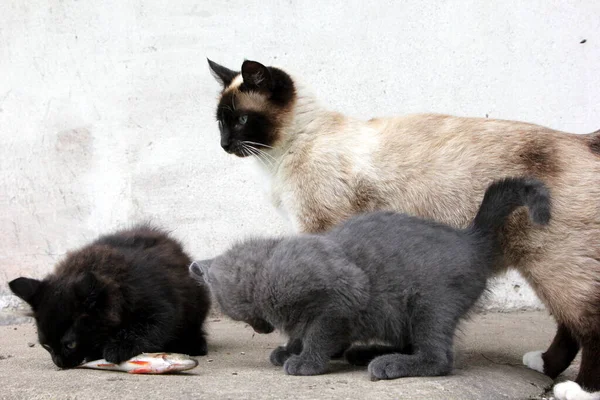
243,133
253,106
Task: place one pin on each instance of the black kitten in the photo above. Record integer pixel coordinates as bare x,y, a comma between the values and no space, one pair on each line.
381,276
124,294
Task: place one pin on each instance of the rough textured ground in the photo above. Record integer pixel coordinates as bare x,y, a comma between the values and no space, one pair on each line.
488,366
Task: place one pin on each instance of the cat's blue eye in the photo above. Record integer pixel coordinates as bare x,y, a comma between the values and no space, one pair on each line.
242,119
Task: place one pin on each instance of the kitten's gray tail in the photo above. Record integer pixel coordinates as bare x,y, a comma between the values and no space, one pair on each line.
502,197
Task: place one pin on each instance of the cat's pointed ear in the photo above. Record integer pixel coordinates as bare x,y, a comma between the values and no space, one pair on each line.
25,288
199,270
256,76
90,290
223,75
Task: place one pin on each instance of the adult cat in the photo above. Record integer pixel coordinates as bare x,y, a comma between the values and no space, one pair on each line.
125,293
380,276
323,167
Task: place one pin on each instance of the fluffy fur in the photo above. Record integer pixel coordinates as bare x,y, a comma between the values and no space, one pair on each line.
322,167
380,276
124,294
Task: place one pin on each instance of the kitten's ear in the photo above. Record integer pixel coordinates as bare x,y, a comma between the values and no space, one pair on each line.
257,76
223,75
89,290
25,288
199,269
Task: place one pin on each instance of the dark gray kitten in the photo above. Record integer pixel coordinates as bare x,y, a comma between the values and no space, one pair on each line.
381,276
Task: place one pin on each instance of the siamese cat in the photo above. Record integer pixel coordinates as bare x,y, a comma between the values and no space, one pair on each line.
323,167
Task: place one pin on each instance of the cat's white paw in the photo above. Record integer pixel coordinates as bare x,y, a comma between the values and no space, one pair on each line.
534,360
570,390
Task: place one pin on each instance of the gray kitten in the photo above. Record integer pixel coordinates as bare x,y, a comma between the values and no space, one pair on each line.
381,276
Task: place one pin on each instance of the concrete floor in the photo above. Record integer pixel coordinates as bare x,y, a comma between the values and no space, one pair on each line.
488,366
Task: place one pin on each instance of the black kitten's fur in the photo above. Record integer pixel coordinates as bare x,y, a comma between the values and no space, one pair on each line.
380,276
124,294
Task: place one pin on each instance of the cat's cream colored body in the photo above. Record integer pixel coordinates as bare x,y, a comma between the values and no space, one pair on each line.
329,167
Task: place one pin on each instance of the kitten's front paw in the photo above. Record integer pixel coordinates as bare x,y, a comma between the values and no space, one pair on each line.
296,365
570,390
386,367
392,366
534,360
279,356
117,352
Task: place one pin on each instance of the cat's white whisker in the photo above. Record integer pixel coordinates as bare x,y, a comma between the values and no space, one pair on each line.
258,144
266,154
252,151
246,152
263,155
260,156
262,152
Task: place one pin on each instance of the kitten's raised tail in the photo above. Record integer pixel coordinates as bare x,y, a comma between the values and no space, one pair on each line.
502,197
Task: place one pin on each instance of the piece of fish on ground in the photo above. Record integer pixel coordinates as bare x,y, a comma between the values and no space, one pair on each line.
148,363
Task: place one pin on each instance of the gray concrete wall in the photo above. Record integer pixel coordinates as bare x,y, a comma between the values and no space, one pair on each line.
106,107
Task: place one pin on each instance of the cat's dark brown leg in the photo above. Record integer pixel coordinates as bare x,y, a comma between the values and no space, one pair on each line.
561,352
589,370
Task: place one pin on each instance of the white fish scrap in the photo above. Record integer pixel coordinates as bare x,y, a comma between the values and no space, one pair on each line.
147,363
